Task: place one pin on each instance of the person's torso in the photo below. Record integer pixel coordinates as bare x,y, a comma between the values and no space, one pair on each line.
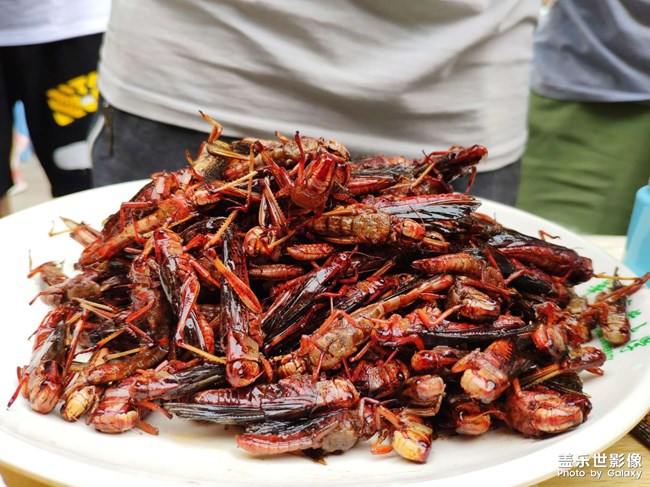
26,22
380,76
594,51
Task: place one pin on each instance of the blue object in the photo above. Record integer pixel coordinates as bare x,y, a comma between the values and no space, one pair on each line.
637,246
20,126
20,123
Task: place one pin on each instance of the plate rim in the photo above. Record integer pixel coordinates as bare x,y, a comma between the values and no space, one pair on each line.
16,452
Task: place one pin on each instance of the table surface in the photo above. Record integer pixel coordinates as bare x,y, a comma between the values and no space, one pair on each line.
627,445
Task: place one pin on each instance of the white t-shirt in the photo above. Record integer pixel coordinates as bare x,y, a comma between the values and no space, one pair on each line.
26,22
380,76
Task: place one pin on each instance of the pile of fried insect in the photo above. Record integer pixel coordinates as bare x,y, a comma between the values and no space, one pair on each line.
316,300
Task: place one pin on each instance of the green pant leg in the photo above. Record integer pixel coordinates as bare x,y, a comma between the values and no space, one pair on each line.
584,162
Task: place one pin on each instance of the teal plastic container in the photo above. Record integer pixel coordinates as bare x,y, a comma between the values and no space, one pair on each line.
637,245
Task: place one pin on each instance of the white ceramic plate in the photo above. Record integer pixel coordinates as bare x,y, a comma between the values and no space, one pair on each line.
49,448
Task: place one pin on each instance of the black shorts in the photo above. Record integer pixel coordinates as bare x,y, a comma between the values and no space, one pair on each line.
56,82
128,147
500,185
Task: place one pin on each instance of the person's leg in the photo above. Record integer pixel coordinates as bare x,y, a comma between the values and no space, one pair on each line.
7,100
584,163
59,98
499,185
129,147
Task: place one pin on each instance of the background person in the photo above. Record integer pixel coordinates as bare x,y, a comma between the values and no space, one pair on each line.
48,59
589,121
